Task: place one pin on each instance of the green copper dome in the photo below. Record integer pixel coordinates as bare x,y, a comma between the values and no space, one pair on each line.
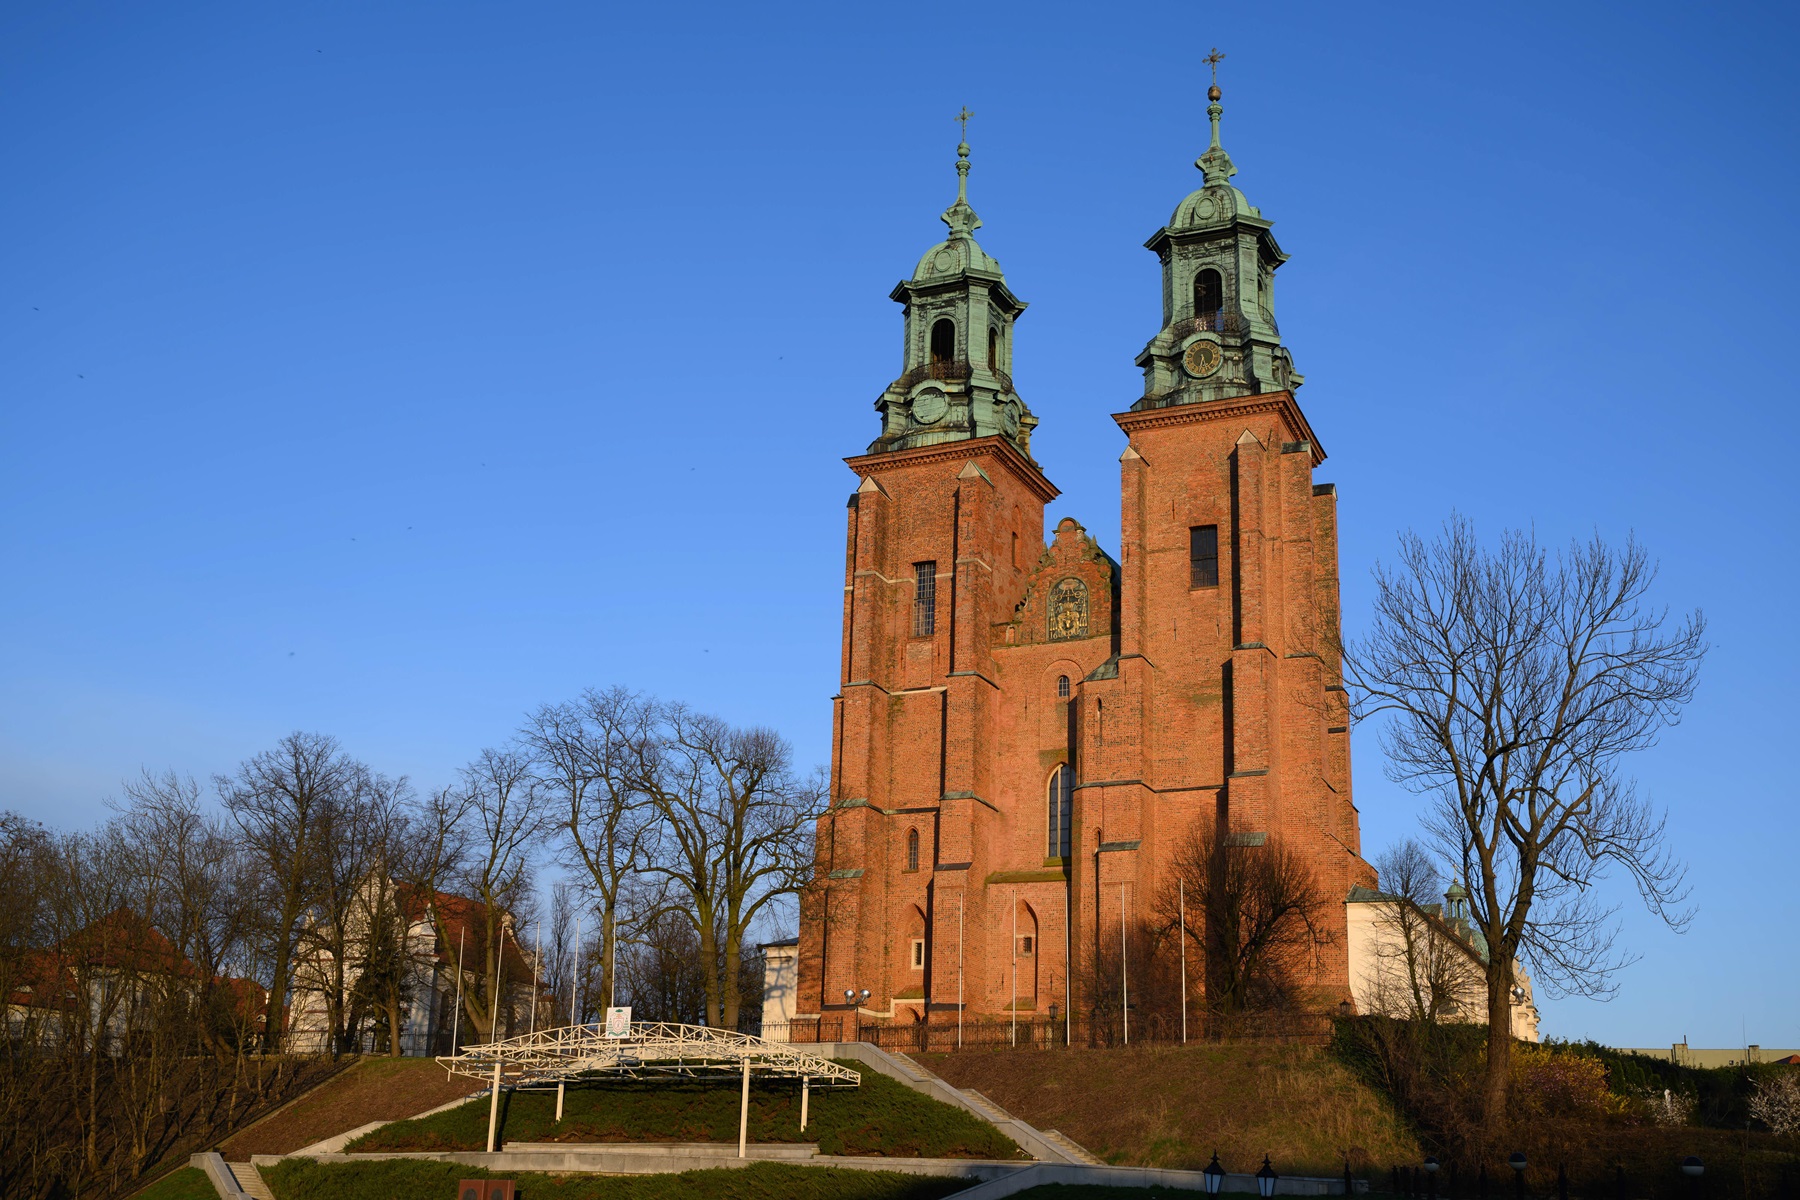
1212,205
1219,338
960,252
956,382
952,257
1217,202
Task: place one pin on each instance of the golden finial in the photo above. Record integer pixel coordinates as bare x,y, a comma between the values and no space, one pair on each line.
1212,60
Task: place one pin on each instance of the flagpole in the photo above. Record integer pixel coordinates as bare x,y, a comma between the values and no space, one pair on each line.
456,1013
959,969
537,963
1068,966
1181,904
1124,987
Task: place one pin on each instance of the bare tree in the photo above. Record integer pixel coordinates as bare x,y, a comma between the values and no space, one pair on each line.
663,973
1420,971
195,889
352,894
1515,684
279,800
430,851
507,813
1255,917
584,755
27,855
376,949
737,827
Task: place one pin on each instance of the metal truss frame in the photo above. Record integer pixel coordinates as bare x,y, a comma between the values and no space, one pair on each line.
653,1048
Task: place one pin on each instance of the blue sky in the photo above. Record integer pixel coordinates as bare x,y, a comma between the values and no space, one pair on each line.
387,370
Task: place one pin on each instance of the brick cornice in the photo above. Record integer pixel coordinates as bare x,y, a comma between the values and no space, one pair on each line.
994,447
1219,410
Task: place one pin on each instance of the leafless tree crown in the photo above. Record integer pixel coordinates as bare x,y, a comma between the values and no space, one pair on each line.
1513,685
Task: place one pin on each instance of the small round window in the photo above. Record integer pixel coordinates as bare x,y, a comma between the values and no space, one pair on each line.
1062,687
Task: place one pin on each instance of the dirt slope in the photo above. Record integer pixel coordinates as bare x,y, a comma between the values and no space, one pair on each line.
1173,1106
375,1089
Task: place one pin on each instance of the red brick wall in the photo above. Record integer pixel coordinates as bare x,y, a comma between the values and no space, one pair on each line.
1212,702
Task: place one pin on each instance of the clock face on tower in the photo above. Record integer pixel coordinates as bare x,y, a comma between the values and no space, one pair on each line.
929,406
1202,358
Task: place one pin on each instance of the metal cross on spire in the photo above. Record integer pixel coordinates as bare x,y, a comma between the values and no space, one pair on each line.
1212,60
964,116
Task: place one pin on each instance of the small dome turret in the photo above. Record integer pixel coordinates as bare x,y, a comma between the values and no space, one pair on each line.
959,252
952,257
1219,339
957,374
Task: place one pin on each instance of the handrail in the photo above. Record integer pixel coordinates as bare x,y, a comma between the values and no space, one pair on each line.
651,1048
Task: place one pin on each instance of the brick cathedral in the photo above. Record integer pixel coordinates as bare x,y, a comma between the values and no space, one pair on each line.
1026,732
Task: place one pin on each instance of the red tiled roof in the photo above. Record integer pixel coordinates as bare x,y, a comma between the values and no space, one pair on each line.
465,920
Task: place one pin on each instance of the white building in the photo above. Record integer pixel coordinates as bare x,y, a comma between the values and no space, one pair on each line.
1407,957
432,954
781,976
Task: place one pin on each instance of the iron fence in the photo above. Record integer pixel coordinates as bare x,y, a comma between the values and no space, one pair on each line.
942,1031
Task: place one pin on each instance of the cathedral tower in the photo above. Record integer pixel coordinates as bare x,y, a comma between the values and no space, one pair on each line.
1027,731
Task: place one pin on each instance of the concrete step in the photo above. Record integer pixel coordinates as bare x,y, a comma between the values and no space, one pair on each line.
250,1180
989,1107
906,1061
775,1150
1075,1150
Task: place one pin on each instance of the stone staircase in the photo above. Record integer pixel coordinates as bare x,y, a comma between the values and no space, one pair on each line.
250,1180
1074,1149
988,1108
991,1109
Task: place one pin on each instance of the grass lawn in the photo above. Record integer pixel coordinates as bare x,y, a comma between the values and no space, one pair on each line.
374,1089
1172,1106
1088,1191
882,1117
189,1183
412,1179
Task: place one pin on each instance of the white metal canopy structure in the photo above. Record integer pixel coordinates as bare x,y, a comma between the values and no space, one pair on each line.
573,1052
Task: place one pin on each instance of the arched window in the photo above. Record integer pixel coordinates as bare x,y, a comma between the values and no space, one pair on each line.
912,849
1062,810
1062,687
993,348
1209,297
943,340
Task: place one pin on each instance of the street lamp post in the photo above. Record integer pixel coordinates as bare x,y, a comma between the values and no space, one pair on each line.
1213,1175
1431,1167
1693,1168
1265,1179
1516,1161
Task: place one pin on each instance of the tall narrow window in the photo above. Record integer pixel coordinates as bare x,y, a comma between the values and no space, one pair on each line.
993,348
912,849
924,599
943,340
1203,556
1062,810
1209,297
1062,687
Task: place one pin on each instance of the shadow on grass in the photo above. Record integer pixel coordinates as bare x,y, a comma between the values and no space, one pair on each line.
412,1179
881,1117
